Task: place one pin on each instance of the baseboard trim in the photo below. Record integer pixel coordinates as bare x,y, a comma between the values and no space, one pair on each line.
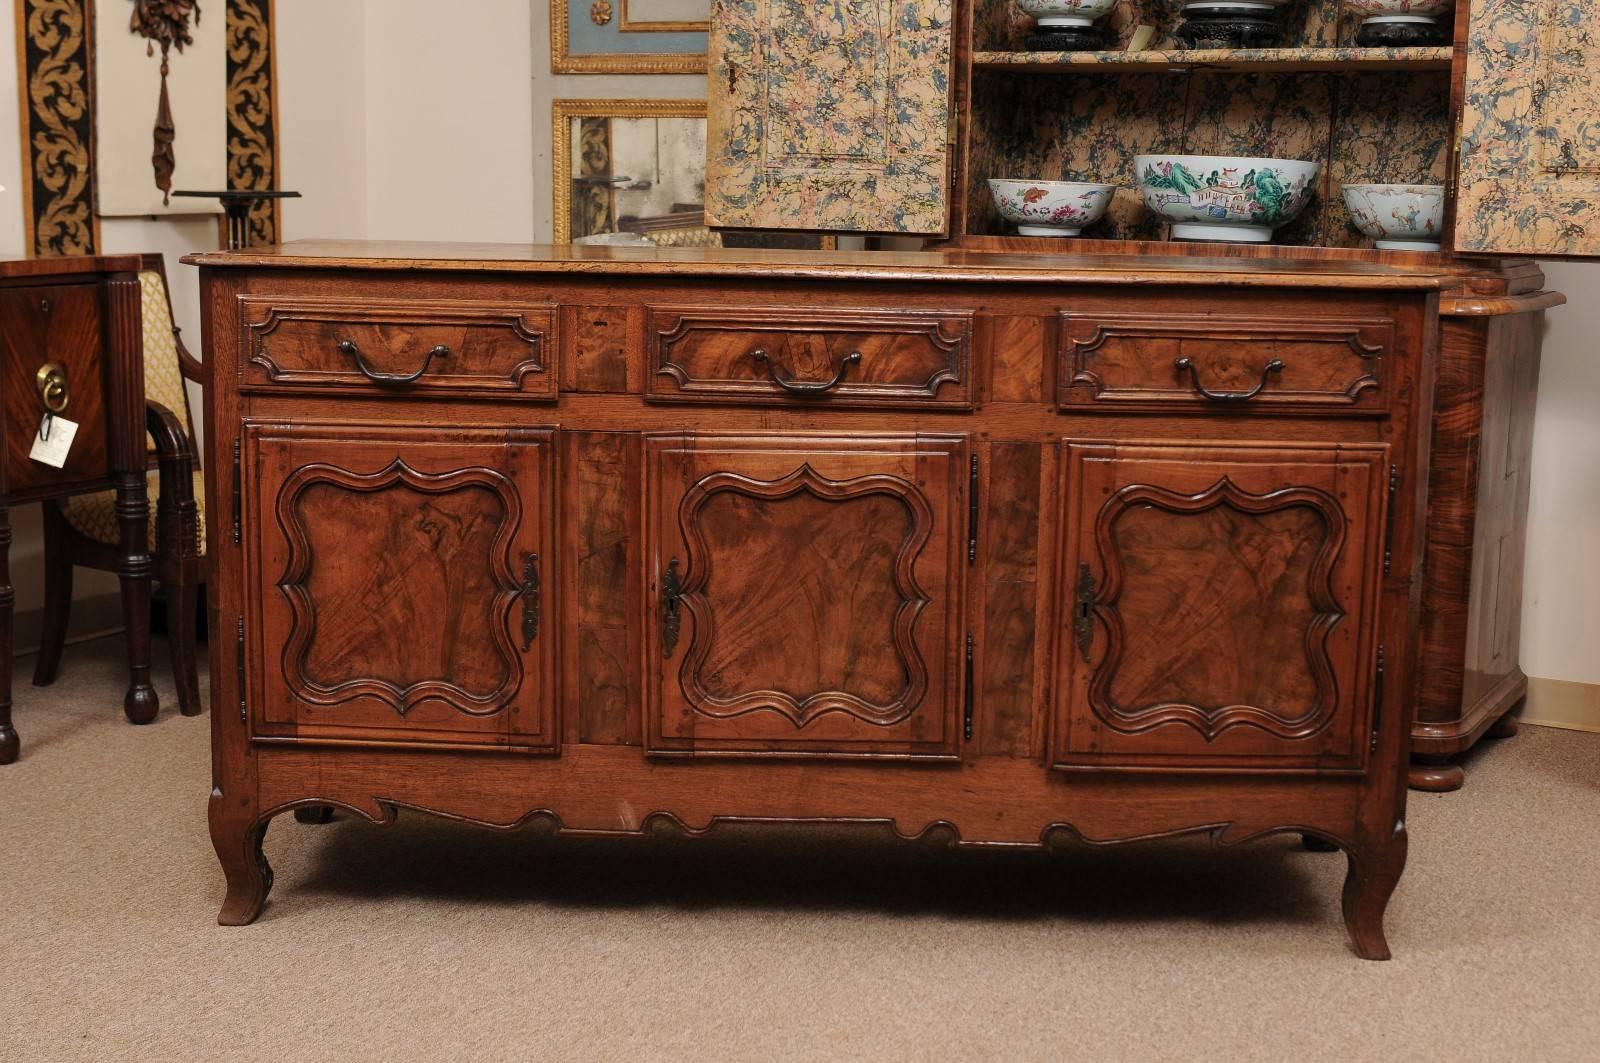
1560,703
93,617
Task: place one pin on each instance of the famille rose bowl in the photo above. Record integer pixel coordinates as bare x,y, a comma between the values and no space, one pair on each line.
1066,12
1050,208
1398,217
1220,197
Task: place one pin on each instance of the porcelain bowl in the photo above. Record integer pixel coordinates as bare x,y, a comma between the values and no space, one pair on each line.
1398,217
1050,208
1066,12
1222,197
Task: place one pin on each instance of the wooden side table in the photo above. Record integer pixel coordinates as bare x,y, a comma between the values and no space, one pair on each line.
71,345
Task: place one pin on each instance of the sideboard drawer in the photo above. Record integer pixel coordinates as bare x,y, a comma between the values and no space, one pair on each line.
823,356
367,345
1145,362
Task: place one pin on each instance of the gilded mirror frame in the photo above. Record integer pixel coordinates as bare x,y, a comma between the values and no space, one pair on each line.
562,61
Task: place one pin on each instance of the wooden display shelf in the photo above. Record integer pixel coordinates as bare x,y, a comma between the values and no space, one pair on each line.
1250,59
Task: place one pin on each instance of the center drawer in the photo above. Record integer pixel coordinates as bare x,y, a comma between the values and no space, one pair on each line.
452,347
810,356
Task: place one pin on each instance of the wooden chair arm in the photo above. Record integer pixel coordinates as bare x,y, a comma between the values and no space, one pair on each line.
191,367
174,455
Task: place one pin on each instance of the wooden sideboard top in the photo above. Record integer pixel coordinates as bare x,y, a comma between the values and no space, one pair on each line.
943,265
17,267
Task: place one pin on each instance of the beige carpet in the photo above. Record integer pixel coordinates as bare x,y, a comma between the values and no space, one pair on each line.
433,942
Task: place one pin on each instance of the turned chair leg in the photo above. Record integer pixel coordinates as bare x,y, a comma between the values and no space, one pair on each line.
183,598
1369,882
57,598
10,744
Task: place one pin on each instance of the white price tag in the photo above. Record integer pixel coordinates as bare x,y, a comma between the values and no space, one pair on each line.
53,439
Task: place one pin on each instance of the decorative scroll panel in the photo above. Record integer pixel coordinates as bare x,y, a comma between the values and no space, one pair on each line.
1530,146
831,116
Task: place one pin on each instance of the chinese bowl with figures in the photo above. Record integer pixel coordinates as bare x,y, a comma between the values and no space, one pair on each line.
1221,197
1050,208
1066,12
1398,217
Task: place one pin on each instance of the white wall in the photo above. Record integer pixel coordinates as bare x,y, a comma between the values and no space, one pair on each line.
397,123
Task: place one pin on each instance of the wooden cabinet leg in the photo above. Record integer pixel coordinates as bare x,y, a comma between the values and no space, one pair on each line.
237,836
183,601
1435,776
1369,882
57,597
314,814
133,511
10,744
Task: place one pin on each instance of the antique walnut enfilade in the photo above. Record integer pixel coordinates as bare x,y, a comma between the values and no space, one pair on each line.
610,534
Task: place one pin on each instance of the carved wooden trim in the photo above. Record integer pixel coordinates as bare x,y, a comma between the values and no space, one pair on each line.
534,327
947,332
303,610
253,115
1160,387
1211,722
913,600
55,83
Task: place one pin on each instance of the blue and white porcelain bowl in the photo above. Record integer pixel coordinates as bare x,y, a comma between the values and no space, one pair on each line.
1050,208
1222,197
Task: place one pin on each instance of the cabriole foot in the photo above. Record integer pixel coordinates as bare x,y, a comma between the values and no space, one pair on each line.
238,846
1368,884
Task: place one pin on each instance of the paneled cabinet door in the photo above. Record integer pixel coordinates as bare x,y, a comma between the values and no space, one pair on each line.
806,594
398,586
1219,606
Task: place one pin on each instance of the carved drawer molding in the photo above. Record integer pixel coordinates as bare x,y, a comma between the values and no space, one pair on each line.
459,347
812,356
1135,362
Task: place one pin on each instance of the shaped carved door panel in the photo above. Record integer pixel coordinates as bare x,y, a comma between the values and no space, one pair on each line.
807,594
1220,606
399,586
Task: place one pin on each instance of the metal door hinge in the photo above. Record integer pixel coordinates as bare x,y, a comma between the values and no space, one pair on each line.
239,677
671,594
1083,618
972,510
529,592
237,529
966,717
1388,533
1377,700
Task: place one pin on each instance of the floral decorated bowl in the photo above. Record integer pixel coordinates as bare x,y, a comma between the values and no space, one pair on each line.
1220,197
1066,12
1398,217
1050,208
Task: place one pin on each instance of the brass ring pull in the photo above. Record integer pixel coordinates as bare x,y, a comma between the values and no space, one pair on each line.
51,380
350,350
805,390
1274,366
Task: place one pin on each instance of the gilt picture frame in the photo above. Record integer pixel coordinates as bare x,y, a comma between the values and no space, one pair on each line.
564,113
588,37
666,16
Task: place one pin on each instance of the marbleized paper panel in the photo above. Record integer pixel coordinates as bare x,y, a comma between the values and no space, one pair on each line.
1089,134
1274,116
1390,128
831,115
998,26
1530,148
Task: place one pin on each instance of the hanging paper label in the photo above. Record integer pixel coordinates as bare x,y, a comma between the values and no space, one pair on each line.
52,441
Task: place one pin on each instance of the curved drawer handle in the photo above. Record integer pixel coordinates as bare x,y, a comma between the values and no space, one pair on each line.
1274,366
350,350
805,390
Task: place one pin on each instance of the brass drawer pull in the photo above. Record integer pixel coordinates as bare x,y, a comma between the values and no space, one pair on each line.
1274,366
350,350
51,380
805,390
